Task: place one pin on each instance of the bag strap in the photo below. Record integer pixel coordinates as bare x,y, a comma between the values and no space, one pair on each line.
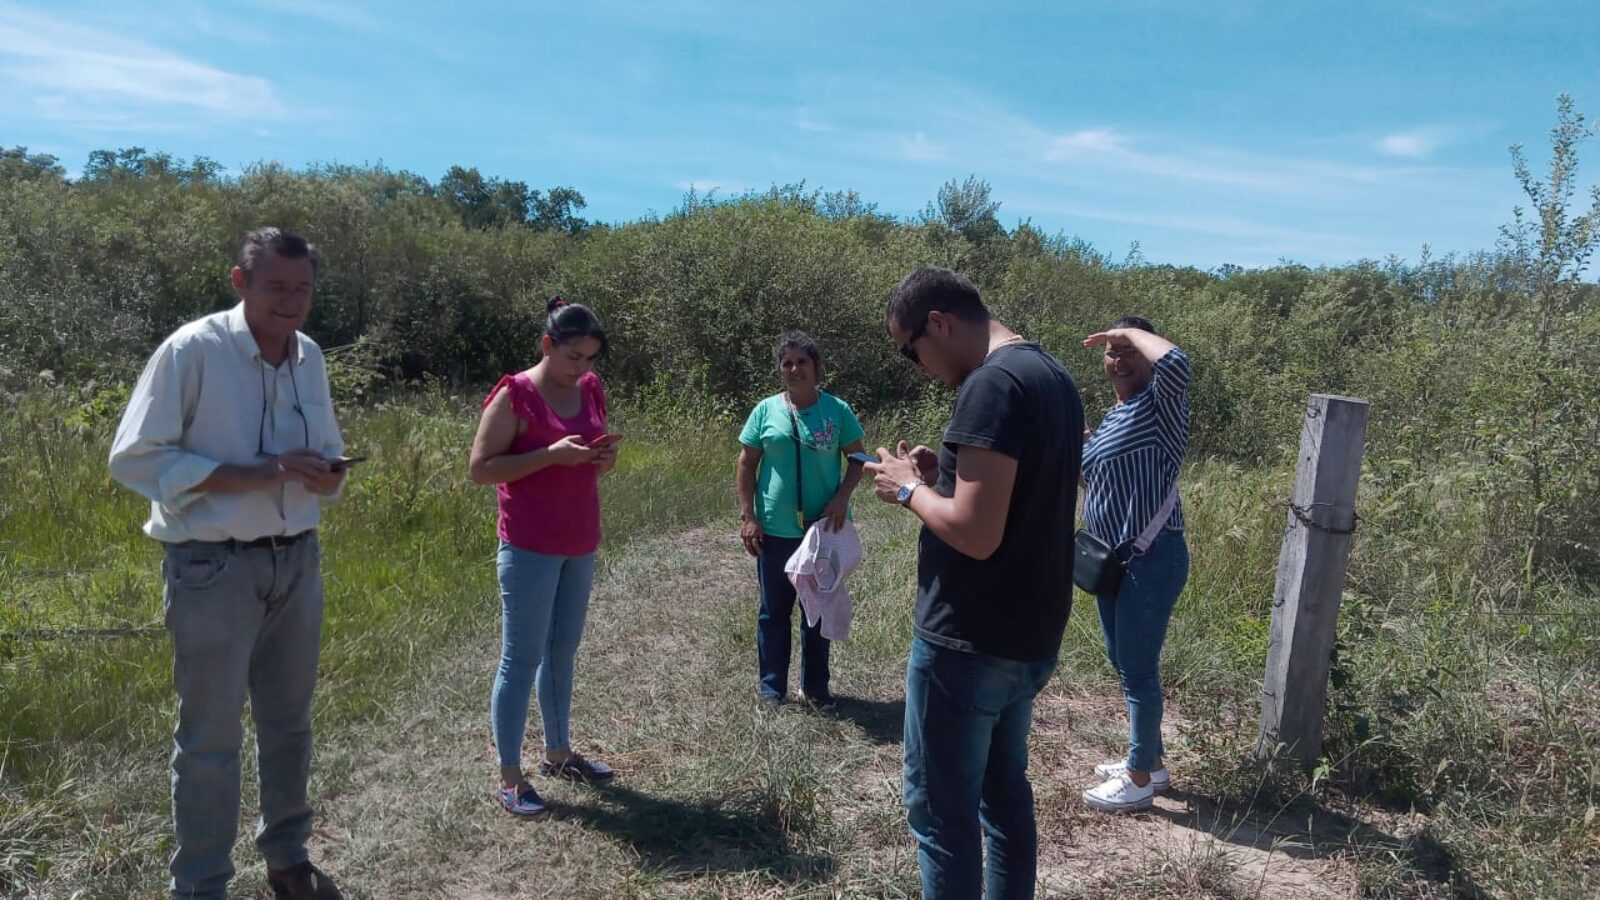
799,483
1148,537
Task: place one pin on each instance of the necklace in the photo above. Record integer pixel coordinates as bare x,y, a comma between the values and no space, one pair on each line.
788,400
1010,340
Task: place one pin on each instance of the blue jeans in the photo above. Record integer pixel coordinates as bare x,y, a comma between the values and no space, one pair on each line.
1135,627
773,627
966,747
544,601
245,623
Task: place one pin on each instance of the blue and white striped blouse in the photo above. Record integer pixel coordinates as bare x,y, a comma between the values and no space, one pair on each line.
1132,459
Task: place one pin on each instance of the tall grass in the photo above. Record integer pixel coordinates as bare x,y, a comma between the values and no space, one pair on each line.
1453,694
1461,724
85,691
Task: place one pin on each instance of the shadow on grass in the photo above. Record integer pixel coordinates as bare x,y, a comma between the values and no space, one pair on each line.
1310,831
677,837
883,721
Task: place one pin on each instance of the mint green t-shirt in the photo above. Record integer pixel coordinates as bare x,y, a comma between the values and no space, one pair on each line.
826,428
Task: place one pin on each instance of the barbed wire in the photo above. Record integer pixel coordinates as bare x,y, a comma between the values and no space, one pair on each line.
56,634
1303,515
1517,614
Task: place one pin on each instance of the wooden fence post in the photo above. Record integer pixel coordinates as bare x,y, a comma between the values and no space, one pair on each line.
1311,572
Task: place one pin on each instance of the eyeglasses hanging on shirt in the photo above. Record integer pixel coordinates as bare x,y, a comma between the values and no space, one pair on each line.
261,433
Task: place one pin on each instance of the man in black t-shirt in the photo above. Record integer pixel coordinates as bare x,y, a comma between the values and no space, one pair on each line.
994,581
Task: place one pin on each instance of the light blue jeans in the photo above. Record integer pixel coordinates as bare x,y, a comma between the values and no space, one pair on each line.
245,622
1135,626
544,600
966,772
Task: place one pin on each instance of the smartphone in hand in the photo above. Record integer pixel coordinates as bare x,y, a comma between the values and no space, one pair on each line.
861,457
605,441
340,463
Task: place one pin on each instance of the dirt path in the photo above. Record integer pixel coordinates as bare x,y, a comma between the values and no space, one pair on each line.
1185,843
717,797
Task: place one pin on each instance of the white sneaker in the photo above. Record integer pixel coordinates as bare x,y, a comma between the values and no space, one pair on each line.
1160,779
1119,794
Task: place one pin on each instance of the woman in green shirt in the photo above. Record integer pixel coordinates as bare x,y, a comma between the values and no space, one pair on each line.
792,472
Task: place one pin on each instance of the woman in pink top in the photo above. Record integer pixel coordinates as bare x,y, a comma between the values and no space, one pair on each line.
542,442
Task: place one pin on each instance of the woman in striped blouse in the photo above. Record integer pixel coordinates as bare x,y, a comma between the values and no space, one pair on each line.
1130,471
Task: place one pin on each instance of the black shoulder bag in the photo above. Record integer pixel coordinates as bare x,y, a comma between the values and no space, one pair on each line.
1098,567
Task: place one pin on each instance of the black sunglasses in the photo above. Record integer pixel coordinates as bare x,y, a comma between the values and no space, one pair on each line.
261,433
910,352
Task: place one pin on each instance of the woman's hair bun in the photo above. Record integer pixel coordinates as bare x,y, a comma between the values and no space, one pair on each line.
567,320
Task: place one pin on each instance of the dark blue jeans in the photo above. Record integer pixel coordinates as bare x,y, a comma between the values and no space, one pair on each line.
773,627
1135,626
966,746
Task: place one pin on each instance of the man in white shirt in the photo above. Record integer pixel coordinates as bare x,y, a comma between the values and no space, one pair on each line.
230,433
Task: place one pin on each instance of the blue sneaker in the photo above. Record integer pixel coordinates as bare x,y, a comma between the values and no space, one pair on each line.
577,768
524,802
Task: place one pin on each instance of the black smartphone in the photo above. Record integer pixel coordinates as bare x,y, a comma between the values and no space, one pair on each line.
344,462
861,457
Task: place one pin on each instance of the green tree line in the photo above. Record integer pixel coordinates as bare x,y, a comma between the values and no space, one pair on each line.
1476,364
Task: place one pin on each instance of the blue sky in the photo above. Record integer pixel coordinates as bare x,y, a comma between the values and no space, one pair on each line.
1210,133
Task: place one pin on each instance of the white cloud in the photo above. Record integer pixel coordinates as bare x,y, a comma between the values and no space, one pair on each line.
1245,199
951,123
1216,225
340,15
1241,237
804,121
62,110
920,148
1090,140
227,29
1409,145
1176,160
1418,143
75,73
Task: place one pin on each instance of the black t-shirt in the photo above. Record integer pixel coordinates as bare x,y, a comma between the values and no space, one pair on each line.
1021,402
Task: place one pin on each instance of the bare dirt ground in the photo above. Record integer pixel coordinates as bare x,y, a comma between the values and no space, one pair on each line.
717,797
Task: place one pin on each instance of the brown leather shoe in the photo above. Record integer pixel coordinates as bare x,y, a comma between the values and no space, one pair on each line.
302,882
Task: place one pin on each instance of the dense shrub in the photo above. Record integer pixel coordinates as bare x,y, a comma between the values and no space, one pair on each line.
1476,363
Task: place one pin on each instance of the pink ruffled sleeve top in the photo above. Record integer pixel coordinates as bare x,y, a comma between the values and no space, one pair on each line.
556,510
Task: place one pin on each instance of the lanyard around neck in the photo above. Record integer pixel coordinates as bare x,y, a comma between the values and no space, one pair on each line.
799,482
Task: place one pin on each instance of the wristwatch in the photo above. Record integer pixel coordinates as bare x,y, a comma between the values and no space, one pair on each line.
903,495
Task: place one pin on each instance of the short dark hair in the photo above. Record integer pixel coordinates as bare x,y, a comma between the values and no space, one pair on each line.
797,340
282,243
1138,322
931,288
568,321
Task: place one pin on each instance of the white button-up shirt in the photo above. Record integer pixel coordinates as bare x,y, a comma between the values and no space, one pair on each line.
205,399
